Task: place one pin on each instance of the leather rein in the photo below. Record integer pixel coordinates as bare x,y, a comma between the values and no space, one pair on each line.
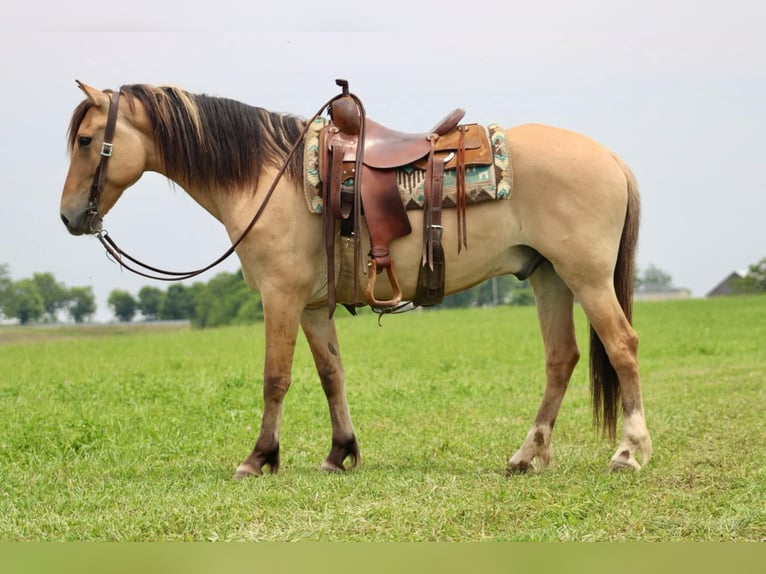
138,267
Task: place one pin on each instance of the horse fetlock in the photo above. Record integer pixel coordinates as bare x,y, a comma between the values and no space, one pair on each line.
256,462
530,458
340,451
628,453
535,453
635,450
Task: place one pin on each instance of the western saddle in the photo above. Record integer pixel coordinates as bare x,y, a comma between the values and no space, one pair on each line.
358,161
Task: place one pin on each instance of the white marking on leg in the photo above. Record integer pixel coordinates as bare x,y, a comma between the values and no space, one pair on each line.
635,440
535,451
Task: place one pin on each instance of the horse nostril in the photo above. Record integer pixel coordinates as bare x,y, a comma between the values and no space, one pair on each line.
65,219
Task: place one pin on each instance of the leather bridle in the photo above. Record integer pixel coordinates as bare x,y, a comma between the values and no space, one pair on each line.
138,267
97,186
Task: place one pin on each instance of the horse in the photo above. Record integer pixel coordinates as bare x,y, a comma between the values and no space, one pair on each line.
570,226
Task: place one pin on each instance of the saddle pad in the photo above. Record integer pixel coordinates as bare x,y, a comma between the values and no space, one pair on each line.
482,183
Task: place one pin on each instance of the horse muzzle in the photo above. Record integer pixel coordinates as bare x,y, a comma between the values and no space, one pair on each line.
84,223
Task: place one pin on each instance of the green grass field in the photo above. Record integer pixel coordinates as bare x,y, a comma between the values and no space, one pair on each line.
133,433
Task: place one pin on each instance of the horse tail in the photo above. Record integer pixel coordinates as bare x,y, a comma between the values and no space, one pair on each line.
604,382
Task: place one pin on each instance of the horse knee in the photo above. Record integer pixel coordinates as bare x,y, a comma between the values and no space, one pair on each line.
275,387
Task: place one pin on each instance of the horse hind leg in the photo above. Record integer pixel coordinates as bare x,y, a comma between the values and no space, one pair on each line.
323,341
555,314
617,371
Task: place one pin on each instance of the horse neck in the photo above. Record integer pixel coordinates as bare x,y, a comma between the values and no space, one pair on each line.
211,200
235,207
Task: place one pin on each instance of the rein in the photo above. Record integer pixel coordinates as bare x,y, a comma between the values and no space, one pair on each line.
148,271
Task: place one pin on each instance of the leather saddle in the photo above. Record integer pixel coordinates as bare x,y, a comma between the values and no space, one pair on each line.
358,161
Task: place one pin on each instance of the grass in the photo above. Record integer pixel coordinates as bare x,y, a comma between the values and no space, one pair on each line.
134,433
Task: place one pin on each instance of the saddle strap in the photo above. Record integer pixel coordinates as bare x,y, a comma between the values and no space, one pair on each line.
340,208
430,286
461,201
328,239
432,206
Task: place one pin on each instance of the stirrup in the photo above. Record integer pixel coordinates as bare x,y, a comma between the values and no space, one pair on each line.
369,291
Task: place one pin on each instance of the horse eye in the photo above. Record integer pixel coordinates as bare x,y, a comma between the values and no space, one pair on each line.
84,141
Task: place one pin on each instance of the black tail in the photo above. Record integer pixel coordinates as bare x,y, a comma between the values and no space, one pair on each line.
604,383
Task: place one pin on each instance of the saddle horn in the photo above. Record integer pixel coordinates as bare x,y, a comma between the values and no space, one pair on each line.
344,111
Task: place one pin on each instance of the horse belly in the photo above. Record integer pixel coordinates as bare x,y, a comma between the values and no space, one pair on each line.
493,249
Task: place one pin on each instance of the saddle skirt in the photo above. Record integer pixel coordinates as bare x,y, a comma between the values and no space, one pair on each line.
485,181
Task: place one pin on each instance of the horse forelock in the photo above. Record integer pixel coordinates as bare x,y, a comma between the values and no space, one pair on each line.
215,141
74,123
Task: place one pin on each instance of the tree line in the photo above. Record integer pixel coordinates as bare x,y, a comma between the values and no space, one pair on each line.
223,300
754,280
226,300
43,299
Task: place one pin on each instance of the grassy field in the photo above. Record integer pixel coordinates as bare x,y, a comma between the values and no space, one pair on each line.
130,433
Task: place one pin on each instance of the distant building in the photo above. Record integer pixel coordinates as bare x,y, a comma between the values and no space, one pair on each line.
661,294
729,285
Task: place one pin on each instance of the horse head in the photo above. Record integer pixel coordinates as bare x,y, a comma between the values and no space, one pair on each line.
85,200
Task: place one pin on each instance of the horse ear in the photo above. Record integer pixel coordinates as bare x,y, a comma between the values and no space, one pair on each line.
95,95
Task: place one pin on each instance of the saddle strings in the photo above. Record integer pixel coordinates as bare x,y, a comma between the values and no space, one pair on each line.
462,235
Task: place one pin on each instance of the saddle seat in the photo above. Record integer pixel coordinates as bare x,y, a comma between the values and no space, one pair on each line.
385,148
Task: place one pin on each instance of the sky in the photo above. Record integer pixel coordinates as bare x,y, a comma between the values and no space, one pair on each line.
676,88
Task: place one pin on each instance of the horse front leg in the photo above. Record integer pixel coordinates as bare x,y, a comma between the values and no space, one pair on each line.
554,311
323,341
281,322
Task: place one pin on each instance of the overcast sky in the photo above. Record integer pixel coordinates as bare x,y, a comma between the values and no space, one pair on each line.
677,88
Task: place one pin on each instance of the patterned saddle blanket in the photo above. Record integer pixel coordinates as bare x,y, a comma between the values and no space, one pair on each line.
482,182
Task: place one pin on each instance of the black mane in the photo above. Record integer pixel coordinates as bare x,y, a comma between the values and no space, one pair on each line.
213,140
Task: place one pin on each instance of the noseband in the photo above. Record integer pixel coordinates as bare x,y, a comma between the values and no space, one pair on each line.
97,187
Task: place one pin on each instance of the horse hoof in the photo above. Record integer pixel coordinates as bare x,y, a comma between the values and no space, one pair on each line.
622,465
331,467
245,471
521,467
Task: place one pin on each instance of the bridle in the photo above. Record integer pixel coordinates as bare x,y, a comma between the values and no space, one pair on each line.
135,265
106,153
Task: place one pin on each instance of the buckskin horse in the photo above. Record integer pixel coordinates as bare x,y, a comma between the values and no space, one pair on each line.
570,225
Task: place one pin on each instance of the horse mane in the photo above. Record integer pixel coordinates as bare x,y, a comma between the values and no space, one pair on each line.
212,140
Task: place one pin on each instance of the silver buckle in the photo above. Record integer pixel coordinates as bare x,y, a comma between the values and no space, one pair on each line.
106,149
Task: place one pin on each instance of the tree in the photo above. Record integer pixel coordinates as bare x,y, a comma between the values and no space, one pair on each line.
123,305
22,300
755,279
82,304
226,300
55,295
178,303
502,290
654,279
150,301
465,298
